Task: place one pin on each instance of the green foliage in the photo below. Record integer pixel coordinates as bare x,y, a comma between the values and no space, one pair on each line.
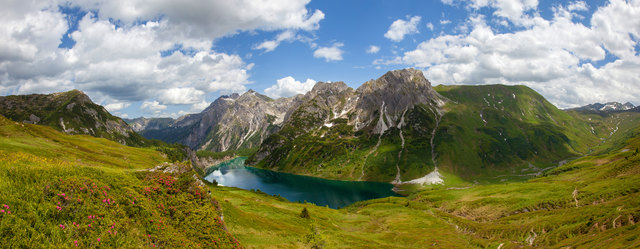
67,191
305,213
226,153
174,152
314,239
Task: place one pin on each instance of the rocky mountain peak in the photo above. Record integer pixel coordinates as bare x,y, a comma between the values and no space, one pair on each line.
329,87
606,107
392,94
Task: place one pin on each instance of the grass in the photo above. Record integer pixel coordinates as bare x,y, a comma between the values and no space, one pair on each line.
58,190
263,221
539,212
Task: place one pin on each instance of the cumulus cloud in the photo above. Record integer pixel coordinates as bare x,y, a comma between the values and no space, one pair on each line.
116,106
512,10
373,49
210,19
127,51
578,6
270,45
181,96
153,106
288,86
556,57
430,26
399,28
333,53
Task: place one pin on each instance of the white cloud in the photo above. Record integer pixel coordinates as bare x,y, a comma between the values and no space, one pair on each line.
373,49
112,107
288,86
153,106
399,28
123,63
512,10
270,45
181,96
211,19
578,6
556,57
333,53
430,26
198,107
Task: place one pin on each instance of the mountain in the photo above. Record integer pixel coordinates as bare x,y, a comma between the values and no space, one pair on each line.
606,107
399,129
231,122
71,112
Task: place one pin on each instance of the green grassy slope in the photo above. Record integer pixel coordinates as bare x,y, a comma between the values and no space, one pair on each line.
591,202
58,190
79,113
495,130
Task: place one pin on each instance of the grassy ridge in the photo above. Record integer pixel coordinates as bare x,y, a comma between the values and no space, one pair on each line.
494,130
58,190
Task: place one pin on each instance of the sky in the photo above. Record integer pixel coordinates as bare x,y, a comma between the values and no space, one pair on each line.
167,58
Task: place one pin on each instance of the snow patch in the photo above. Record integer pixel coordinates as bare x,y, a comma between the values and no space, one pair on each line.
431,178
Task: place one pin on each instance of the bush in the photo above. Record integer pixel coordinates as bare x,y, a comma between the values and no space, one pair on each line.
305,213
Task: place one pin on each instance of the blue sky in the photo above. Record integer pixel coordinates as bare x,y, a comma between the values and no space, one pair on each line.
169,58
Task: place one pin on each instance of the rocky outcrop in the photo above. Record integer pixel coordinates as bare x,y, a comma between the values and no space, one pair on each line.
231,122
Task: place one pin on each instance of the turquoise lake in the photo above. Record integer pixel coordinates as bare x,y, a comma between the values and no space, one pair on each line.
322,192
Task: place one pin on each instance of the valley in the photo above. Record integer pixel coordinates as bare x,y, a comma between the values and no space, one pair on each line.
488,166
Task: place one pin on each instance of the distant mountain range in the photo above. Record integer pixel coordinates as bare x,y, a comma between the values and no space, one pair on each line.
397,128
607,107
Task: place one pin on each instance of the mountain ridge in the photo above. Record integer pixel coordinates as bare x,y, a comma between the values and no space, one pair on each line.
71,112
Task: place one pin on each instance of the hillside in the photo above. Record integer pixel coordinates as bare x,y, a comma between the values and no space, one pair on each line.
399,129
590,202
79,191
70,112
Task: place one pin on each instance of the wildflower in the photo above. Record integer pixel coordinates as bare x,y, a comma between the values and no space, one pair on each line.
5,206
98,239
89,225
61,226
75,242
59,208
1,210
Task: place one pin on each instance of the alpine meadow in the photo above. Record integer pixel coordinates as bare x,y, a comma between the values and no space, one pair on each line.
320,124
